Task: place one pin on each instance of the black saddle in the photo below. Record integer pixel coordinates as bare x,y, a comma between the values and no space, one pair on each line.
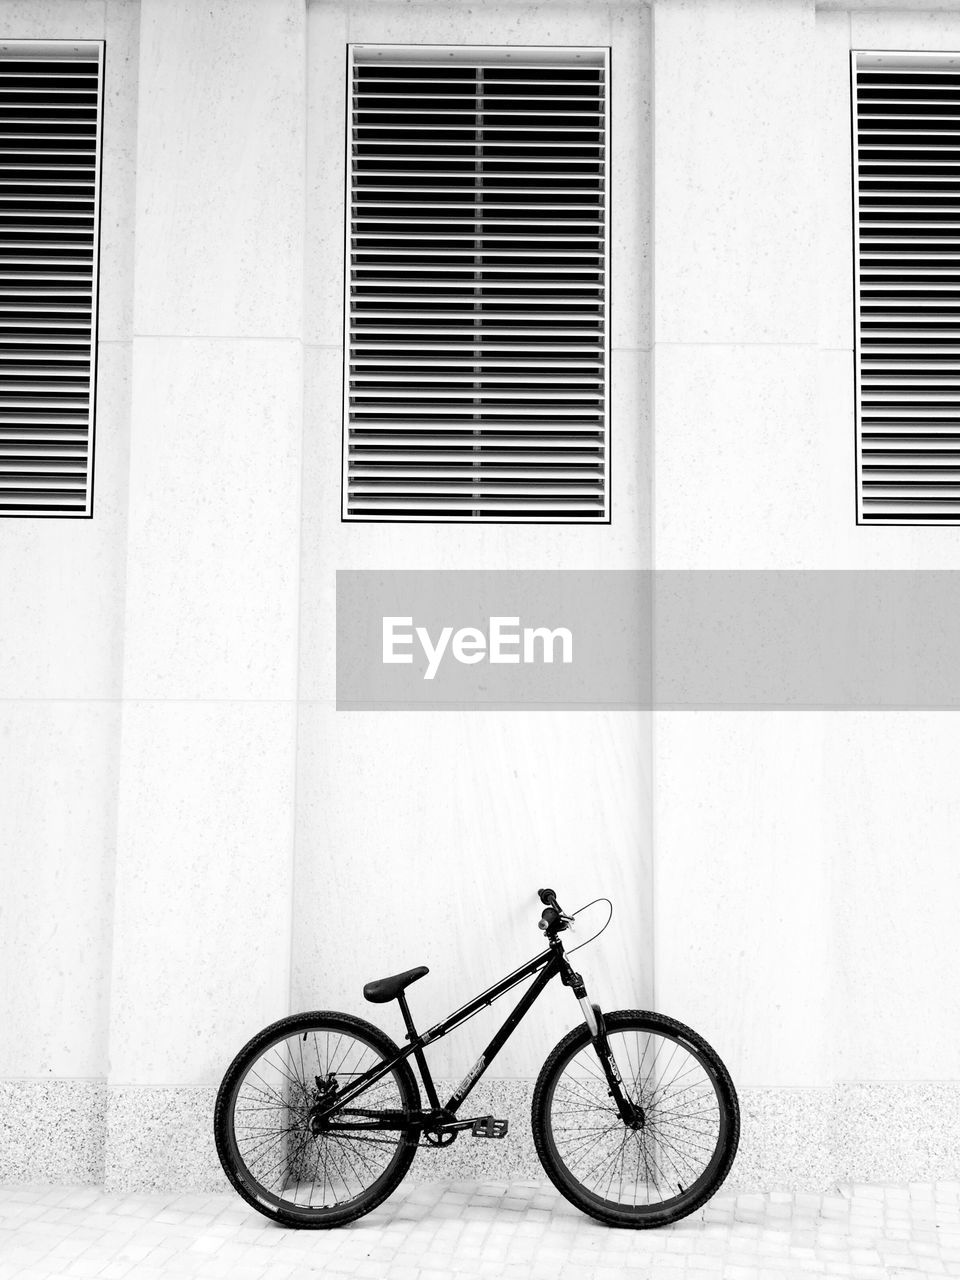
385,989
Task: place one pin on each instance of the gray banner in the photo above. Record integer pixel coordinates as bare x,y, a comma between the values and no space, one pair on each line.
593,640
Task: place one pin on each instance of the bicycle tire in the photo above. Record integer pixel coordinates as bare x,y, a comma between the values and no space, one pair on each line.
575,1122
262,1110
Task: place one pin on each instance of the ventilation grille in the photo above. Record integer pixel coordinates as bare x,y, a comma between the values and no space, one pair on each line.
907,130
476,382
49,152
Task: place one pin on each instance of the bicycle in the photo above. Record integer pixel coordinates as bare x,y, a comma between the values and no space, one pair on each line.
635,1118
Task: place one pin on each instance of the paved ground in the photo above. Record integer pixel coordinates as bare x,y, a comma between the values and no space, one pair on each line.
519,1231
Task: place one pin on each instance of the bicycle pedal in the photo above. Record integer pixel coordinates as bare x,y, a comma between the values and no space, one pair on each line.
487,1127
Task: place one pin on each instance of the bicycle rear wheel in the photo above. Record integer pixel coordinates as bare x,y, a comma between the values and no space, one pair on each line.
264,1137
676,1160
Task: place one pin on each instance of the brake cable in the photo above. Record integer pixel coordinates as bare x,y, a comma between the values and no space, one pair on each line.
569,951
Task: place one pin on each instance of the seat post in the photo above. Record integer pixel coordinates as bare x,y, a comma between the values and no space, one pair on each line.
407,1020
418,1054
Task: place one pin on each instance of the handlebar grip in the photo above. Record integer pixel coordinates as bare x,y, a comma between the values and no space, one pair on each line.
548,898
549,919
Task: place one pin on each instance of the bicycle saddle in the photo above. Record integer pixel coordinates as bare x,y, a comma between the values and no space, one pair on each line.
384,989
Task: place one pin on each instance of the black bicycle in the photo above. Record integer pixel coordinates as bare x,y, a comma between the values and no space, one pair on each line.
635,1118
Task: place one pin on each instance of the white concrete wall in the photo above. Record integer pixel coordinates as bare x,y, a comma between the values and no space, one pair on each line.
194,841
205,829
153,799
805,878
734,327
61,636
423,837
892,792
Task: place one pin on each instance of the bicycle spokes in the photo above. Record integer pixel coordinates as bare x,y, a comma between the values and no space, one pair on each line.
677,1127
296,1158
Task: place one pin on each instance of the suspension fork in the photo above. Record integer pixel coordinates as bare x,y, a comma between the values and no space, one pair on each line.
629,1113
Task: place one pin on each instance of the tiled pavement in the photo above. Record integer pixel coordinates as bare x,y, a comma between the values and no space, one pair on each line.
517,1231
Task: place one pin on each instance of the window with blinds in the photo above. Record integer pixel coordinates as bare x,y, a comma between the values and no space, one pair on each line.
476,379
50,115
906,128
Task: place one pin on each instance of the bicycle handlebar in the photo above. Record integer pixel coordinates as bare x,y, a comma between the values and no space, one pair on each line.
552,920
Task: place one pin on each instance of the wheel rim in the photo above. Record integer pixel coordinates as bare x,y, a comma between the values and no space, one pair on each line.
667,1161
276,1155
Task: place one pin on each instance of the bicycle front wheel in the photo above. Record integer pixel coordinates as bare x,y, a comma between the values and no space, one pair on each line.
283,1162
689,1127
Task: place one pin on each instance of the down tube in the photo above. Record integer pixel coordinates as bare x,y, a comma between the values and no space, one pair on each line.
499,1040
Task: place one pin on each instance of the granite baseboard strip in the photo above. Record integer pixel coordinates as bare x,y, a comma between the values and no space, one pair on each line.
161,1139
897,1132
52,1131
813,1139
144,1138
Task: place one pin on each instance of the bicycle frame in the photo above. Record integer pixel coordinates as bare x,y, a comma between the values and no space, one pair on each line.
320,1115
548,964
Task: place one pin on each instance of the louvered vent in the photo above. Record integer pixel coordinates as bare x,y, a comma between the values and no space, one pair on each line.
50,97
476,381
907,137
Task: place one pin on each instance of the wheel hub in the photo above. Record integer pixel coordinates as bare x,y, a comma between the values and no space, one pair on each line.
635,1119
316,1124
326,1088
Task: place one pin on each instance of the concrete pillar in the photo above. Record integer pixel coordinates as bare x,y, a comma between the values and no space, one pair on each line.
205,828
61,611
742,900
